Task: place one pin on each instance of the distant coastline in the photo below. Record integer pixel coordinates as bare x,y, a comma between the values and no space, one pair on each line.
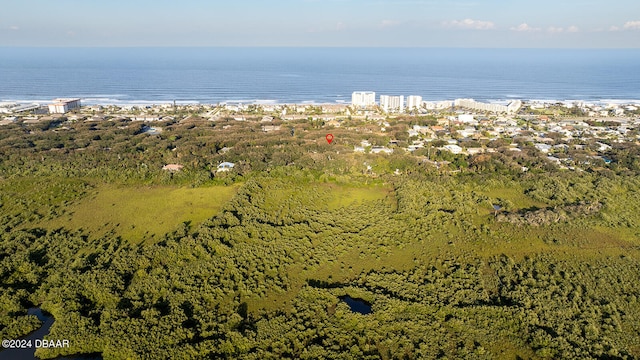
346,102
148,76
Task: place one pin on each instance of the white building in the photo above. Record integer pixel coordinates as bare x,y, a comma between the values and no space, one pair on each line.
439,105
472,104
543,147
5,107
225,166
8,120
455,149
392,103
514,106
62,106
414,102
466,118
381,149
603,147
145,118
172,167
467,132
511,108
363,98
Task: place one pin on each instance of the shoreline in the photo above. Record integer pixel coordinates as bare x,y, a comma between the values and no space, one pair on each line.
90,101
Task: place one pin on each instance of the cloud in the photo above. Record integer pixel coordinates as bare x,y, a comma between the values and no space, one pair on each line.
632,25
340,26
14,28
524,27
573,29
629,25
555,30
470,24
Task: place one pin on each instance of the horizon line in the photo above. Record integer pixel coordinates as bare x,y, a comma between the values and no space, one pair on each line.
307,47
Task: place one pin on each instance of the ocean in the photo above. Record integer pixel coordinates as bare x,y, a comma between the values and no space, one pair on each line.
315,75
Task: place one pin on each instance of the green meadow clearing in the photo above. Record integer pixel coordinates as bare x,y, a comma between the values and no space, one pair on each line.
142,212
345,196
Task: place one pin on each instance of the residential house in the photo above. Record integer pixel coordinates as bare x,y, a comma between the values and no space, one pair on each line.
603,147
225,166
467,132
475,151
172,167
381,149
455,149
545,148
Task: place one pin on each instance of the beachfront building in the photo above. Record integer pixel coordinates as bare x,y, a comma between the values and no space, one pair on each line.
437,105
414,102
392,103
5,107
511,108
475,105
363,98
514,106
62,106
14,108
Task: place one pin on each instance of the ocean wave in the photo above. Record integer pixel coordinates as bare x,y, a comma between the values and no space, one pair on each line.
101,100
118,102
23,101
108,96
250,101
621,101
547,101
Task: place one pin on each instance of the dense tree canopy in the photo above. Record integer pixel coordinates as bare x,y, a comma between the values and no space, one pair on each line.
550,272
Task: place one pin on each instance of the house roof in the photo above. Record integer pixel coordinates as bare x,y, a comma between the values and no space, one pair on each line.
173,167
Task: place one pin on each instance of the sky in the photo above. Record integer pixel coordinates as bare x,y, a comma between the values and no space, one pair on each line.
322,23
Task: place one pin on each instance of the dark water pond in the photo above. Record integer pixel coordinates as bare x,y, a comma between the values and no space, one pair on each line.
357,305
29,353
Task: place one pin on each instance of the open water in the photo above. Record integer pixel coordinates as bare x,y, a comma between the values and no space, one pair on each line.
318,75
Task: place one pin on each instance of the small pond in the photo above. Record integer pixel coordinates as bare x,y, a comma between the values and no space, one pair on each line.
357,305
29,354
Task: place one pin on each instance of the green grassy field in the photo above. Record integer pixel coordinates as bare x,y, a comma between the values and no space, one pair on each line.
137,213
515,195
344,196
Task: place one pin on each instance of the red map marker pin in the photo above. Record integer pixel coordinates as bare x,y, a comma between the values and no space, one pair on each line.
329,138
